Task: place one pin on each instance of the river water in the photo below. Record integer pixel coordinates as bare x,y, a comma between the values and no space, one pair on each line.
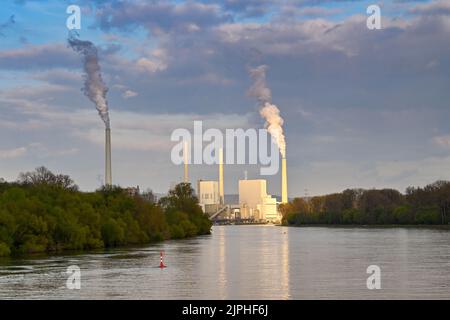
248,262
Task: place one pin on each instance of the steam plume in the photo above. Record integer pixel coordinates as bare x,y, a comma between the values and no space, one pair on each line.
269,111
94,87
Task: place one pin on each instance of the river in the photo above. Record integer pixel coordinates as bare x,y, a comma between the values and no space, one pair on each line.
249,262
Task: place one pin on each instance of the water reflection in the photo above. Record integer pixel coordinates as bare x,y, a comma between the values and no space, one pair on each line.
248,262
285,264
222,264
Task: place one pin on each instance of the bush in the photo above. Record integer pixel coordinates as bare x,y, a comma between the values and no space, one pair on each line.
112,233
428,216
4,250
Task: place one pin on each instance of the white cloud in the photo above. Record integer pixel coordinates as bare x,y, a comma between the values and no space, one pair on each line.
129,94
59,76
130,130
151,66
210,78
126,92
438,7
42,92
148,132
414,172
12,153
38,57
442,141
432,64
42,150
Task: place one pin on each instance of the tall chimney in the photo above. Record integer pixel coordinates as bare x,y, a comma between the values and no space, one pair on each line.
108,171
284,192
221,192
186,161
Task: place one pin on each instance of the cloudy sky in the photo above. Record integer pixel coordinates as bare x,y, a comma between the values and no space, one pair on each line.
362,108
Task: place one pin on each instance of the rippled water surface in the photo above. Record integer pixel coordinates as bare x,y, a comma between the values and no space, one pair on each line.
249,262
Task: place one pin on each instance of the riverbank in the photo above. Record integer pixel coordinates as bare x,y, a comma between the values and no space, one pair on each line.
44,212
96,251
369,226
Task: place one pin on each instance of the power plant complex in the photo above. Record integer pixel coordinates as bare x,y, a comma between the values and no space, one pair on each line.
254,204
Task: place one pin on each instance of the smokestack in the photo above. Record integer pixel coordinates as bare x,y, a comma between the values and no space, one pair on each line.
221,192
96,90
108,171
284,192
186,161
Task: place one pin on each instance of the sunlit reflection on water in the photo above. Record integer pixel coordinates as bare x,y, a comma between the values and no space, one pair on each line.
249,262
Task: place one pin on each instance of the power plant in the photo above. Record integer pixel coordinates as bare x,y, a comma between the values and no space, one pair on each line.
254,202
253,205
108,170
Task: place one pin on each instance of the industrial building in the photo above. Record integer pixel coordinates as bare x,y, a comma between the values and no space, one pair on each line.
208,195
254,202
132,191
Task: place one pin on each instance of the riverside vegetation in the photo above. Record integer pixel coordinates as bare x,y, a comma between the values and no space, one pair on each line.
418,206
45,212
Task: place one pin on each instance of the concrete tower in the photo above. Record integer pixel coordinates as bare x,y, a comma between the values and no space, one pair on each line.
284,191
186,161
221,191
108,170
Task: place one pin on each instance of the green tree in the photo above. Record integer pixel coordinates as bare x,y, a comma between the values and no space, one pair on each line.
428,205
181,206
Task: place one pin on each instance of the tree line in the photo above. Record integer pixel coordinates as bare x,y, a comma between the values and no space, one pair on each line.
429,205
46,212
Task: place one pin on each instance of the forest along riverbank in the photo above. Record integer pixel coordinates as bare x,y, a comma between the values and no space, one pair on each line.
429,205
45,212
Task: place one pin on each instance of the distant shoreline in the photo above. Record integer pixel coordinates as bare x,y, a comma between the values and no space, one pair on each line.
374,226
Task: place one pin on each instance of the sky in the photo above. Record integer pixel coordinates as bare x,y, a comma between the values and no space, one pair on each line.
362,108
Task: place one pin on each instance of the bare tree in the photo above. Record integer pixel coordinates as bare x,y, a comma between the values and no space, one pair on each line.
44,176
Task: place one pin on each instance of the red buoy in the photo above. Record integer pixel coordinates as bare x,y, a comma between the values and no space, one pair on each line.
161,262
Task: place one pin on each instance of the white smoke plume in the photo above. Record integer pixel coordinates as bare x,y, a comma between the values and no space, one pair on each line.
94,87
269,111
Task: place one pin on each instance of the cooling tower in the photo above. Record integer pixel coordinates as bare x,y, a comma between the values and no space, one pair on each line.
284,192
221,191
108,174
186,161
